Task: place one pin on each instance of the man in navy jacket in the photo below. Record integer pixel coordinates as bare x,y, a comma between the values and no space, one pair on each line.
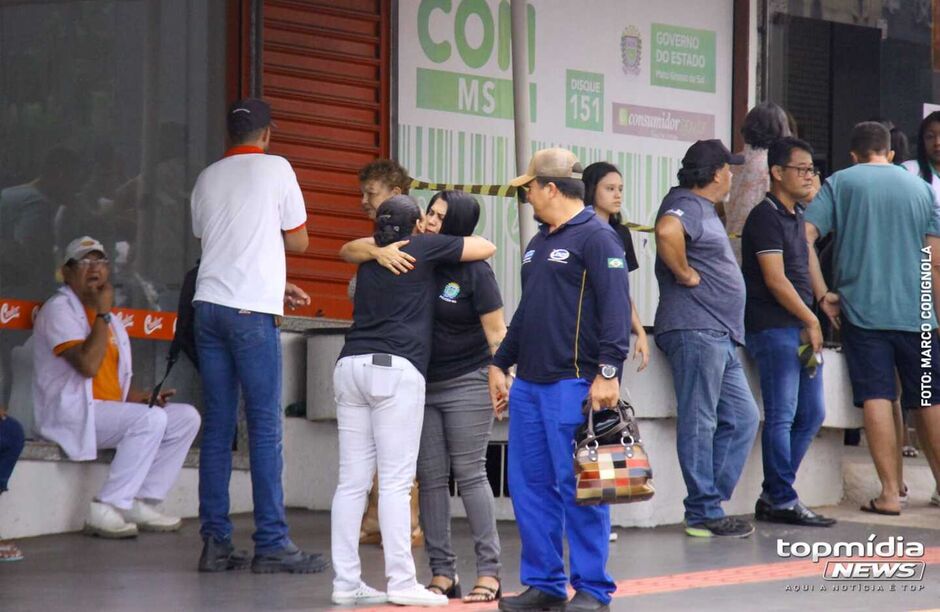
569,338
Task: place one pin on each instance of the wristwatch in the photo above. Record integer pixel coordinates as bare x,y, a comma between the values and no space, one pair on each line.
608,371
106,317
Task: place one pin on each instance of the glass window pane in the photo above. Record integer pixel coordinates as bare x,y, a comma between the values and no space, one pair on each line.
108,111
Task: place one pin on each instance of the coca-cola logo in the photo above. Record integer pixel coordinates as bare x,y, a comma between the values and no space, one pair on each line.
8,312
127,320
152,324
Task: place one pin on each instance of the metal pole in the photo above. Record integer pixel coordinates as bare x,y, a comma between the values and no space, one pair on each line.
520,100
255,49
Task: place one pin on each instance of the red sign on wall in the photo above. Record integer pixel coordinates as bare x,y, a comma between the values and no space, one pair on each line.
143,324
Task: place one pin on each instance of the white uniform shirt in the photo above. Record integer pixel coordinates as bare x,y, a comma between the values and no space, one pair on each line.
62,397
240,206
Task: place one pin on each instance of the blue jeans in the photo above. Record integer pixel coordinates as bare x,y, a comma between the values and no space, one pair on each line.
11,445
717,417
543,419
241,350
793,409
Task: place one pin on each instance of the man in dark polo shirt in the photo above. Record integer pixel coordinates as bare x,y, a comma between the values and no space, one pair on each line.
778,312
699,325
569,336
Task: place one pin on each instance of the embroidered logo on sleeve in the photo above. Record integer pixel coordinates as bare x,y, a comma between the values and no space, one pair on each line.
615,262
675,211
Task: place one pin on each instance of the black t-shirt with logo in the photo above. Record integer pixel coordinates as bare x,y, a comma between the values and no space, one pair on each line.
771,228
393,313
463,293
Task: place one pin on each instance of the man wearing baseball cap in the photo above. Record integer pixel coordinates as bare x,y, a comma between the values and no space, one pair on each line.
83,400
569,338
699,325
247,210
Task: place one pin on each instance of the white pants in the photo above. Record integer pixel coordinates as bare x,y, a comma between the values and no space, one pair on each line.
151,446
379,412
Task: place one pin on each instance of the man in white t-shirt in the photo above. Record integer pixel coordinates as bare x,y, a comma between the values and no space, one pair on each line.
247,209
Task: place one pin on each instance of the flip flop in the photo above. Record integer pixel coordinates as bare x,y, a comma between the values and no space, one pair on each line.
10,552
873,509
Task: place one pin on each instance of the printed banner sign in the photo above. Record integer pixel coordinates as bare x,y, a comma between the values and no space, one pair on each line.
141,324
630,82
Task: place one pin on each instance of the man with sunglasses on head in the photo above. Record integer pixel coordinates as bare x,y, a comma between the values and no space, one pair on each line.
83,400
778,320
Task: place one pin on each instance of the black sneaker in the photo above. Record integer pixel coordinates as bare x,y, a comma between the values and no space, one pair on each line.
220,556
291,560
725,526
533,599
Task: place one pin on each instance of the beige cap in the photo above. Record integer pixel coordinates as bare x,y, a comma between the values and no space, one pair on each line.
80,247
550,163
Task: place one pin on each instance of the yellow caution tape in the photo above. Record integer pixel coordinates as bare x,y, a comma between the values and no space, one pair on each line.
507,191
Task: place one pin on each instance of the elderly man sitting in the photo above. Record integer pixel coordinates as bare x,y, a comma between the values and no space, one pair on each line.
83,400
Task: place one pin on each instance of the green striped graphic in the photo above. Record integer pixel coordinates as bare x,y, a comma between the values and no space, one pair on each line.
481,163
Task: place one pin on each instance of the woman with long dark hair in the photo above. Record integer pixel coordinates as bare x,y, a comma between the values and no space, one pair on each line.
458,415
379,386
927,164
603,190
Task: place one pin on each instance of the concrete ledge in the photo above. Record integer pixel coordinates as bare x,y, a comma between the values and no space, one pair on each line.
819,481
50,494
41,450
53,496
652,395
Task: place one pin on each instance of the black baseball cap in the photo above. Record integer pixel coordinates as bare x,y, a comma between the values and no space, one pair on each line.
395,219
708,154
248,115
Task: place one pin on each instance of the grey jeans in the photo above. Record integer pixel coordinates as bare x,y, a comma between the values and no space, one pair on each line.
458,421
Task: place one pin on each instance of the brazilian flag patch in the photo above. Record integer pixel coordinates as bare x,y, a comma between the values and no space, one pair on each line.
615,262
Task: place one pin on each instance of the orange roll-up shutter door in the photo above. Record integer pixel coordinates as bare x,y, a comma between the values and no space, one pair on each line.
325,71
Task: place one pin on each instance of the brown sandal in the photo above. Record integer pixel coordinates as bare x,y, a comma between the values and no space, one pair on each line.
10,552
480,593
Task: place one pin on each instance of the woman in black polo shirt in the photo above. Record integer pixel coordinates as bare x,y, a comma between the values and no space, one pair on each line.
458,414
603,190
379,387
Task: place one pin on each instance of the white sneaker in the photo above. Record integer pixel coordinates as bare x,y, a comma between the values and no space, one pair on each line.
363,595
935,499
105,521
417,596
148,518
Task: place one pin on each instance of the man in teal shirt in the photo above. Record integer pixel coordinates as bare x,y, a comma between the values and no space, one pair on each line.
887,286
